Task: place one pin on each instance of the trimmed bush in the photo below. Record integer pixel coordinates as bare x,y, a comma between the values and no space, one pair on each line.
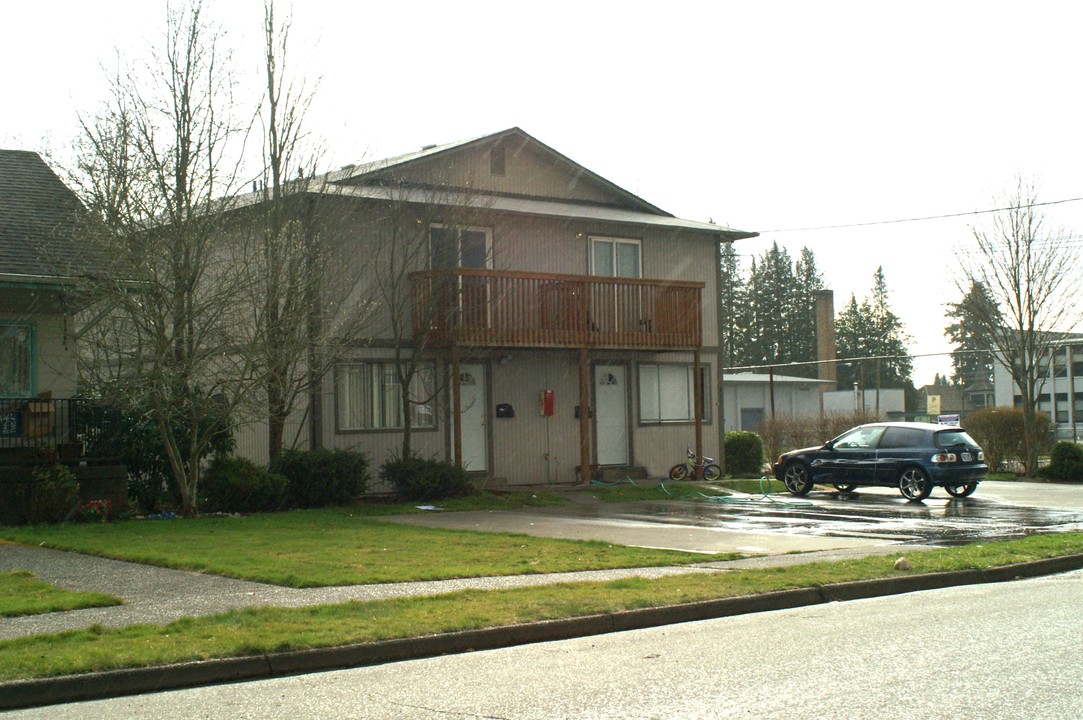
1000,432
51,496
744,453
234,484
415,478
317,478
1065,463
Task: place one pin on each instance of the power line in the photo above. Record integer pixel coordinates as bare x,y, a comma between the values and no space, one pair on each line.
922,219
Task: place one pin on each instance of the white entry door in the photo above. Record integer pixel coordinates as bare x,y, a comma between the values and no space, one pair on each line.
475,405
611,413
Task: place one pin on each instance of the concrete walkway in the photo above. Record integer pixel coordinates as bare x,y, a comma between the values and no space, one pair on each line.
160,595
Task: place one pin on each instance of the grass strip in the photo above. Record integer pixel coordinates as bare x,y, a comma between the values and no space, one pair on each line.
268,630
23,594
336,546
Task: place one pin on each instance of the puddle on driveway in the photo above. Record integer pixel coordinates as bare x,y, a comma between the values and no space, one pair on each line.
936,521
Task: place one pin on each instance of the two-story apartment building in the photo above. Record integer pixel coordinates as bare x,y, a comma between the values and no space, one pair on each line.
1060,394
563,321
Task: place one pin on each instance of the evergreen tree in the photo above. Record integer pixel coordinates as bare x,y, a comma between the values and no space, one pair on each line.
735,309
872,330
770,318
802,329
971,361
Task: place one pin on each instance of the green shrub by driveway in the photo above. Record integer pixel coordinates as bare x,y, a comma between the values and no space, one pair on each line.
318,478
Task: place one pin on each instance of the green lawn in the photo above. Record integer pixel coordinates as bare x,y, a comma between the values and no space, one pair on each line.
336,546
249,632
23,594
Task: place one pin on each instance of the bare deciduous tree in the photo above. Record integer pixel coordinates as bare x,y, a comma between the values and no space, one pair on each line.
1030,276
166,337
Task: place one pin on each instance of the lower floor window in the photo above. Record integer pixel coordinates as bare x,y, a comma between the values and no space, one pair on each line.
667,393
16,360
369,397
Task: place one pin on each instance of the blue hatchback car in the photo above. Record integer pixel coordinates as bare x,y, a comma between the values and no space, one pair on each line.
914,457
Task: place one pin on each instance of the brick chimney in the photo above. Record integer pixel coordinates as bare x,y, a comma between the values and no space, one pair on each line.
825,336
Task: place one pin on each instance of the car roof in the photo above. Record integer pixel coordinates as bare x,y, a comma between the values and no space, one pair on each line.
935,427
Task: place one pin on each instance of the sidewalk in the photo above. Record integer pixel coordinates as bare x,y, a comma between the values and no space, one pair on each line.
160,595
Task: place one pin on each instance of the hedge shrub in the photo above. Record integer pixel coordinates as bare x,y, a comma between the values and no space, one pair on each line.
51,496
744,453
317,478
1000,432
415,478
234,484
1065,463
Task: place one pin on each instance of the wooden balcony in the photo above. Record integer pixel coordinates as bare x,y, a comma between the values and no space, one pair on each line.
487,308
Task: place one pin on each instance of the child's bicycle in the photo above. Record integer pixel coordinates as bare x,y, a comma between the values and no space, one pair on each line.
690,466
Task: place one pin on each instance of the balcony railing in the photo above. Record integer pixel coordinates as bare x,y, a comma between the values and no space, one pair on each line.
519,309
43,429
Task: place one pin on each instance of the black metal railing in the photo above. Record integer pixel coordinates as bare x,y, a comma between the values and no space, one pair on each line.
44,428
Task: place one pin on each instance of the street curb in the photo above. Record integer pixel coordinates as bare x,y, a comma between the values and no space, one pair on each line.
115,683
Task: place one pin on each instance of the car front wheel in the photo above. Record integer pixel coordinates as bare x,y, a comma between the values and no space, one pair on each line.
914,484
961,491
797,478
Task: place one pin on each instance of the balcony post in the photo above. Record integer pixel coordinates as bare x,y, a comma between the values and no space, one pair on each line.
457,406
697,404
586,474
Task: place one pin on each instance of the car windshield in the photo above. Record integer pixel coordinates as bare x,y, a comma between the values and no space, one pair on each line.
951,438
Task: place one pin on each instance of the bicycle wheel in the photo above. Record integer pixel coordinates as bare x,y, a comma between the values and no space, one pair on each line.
712,472
678,472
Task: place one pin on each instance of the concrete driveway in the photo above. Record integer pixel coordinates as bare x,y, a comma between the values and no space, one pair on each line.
823,520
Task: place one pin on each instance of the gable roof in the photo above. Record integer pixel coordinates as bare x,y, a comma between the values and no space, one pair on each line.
41,223
363,180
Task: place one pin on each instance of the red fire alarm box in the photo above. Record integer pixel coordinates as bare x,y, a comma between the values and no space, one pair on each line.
547,403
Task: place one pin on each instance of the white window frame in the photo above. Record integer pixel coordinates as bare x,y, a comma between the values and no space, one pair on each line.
367,397
614,242
667,393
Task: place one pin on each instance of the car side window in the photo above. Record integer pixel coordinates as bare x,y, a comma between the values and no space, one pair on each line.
897,437
864,437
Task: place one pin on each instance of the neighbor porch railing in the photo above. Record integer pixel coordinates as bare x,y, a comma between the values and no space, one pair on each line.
40,428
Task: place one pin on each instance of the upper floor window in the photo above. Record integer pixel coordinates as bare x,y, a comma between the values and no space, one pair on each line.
615,257
16,360
451,246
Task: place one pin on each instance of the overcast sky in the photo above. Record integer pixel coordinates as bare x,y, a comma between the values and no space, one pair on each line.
766,116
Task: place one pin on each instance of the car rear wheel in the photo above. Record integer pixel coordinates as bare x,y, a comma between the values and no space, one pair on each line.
914,484
797,478
845,488
961,491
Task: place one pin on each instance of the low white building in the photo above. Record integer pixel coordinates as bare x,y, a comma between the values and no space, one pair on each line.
750,398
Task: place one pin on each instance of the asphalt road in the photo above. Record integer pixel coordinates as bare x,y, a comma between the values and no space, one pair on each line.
984,651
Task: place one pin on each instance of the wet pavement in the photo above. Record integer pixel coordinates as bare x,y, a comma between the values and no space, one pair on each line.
822,520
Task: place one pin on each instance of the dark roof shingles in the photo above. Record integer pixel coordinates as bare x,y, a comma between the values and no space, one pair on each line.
42,222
